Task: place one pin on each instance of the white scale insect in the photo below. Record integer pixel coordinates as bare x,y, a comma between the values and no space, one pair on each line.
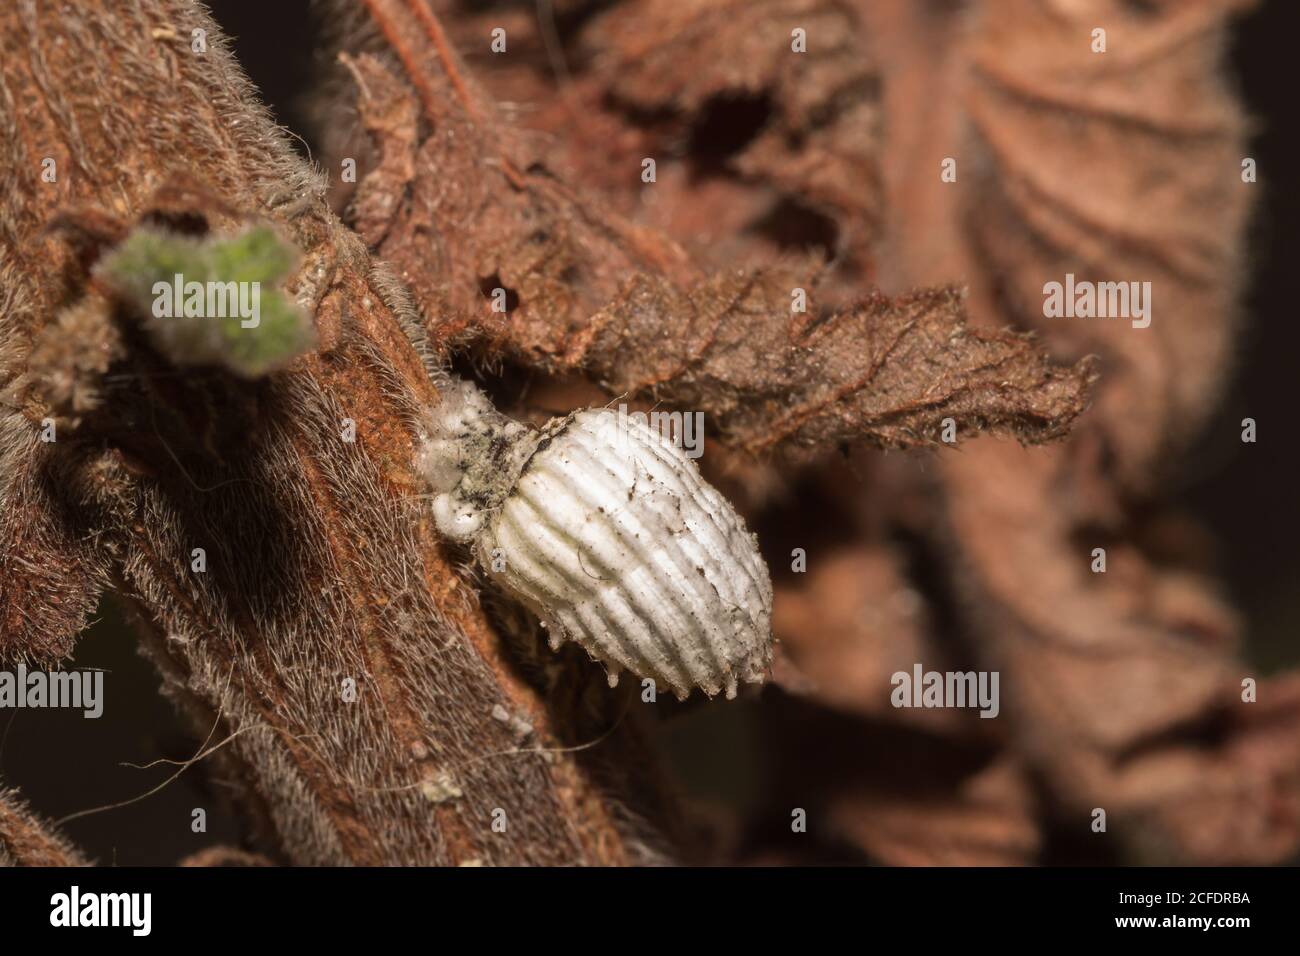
607,532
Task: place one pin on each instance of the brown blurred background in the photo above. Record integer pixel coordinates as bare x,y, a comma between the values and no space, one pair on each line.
1245,494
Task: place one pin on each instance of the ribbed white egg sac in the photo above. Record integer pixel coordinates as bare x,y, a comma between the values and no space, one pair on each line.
616,542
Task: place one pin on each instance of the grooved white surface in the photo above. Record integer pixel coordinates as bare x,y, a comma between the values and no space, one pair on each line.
612,537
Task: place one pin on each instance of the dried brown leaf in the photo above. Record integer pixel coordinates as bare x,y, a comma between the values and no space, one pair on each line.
888,371
985,819
847,625
1066,146
591,292
905,796
1122,683
1100,165
759,149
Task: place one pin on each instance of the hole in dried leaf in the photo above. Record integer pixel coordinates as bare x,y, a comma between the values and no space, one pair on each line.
794,226
182,223
724,127
489,285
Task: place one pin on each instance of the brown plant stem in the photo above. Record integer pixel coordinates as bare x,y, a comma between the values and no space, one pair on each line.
322,566
25,840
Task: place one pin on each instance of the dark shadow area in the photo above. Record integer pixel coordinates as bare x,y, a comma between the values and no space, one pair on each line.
65,763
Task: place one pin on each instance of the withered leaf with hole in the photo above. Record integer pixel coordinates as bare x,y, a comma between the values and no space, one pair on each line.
592,291
1123,682
759,148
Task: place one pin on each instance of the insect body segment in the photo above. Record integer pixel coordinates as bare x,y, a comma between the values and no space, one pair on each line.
609,534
